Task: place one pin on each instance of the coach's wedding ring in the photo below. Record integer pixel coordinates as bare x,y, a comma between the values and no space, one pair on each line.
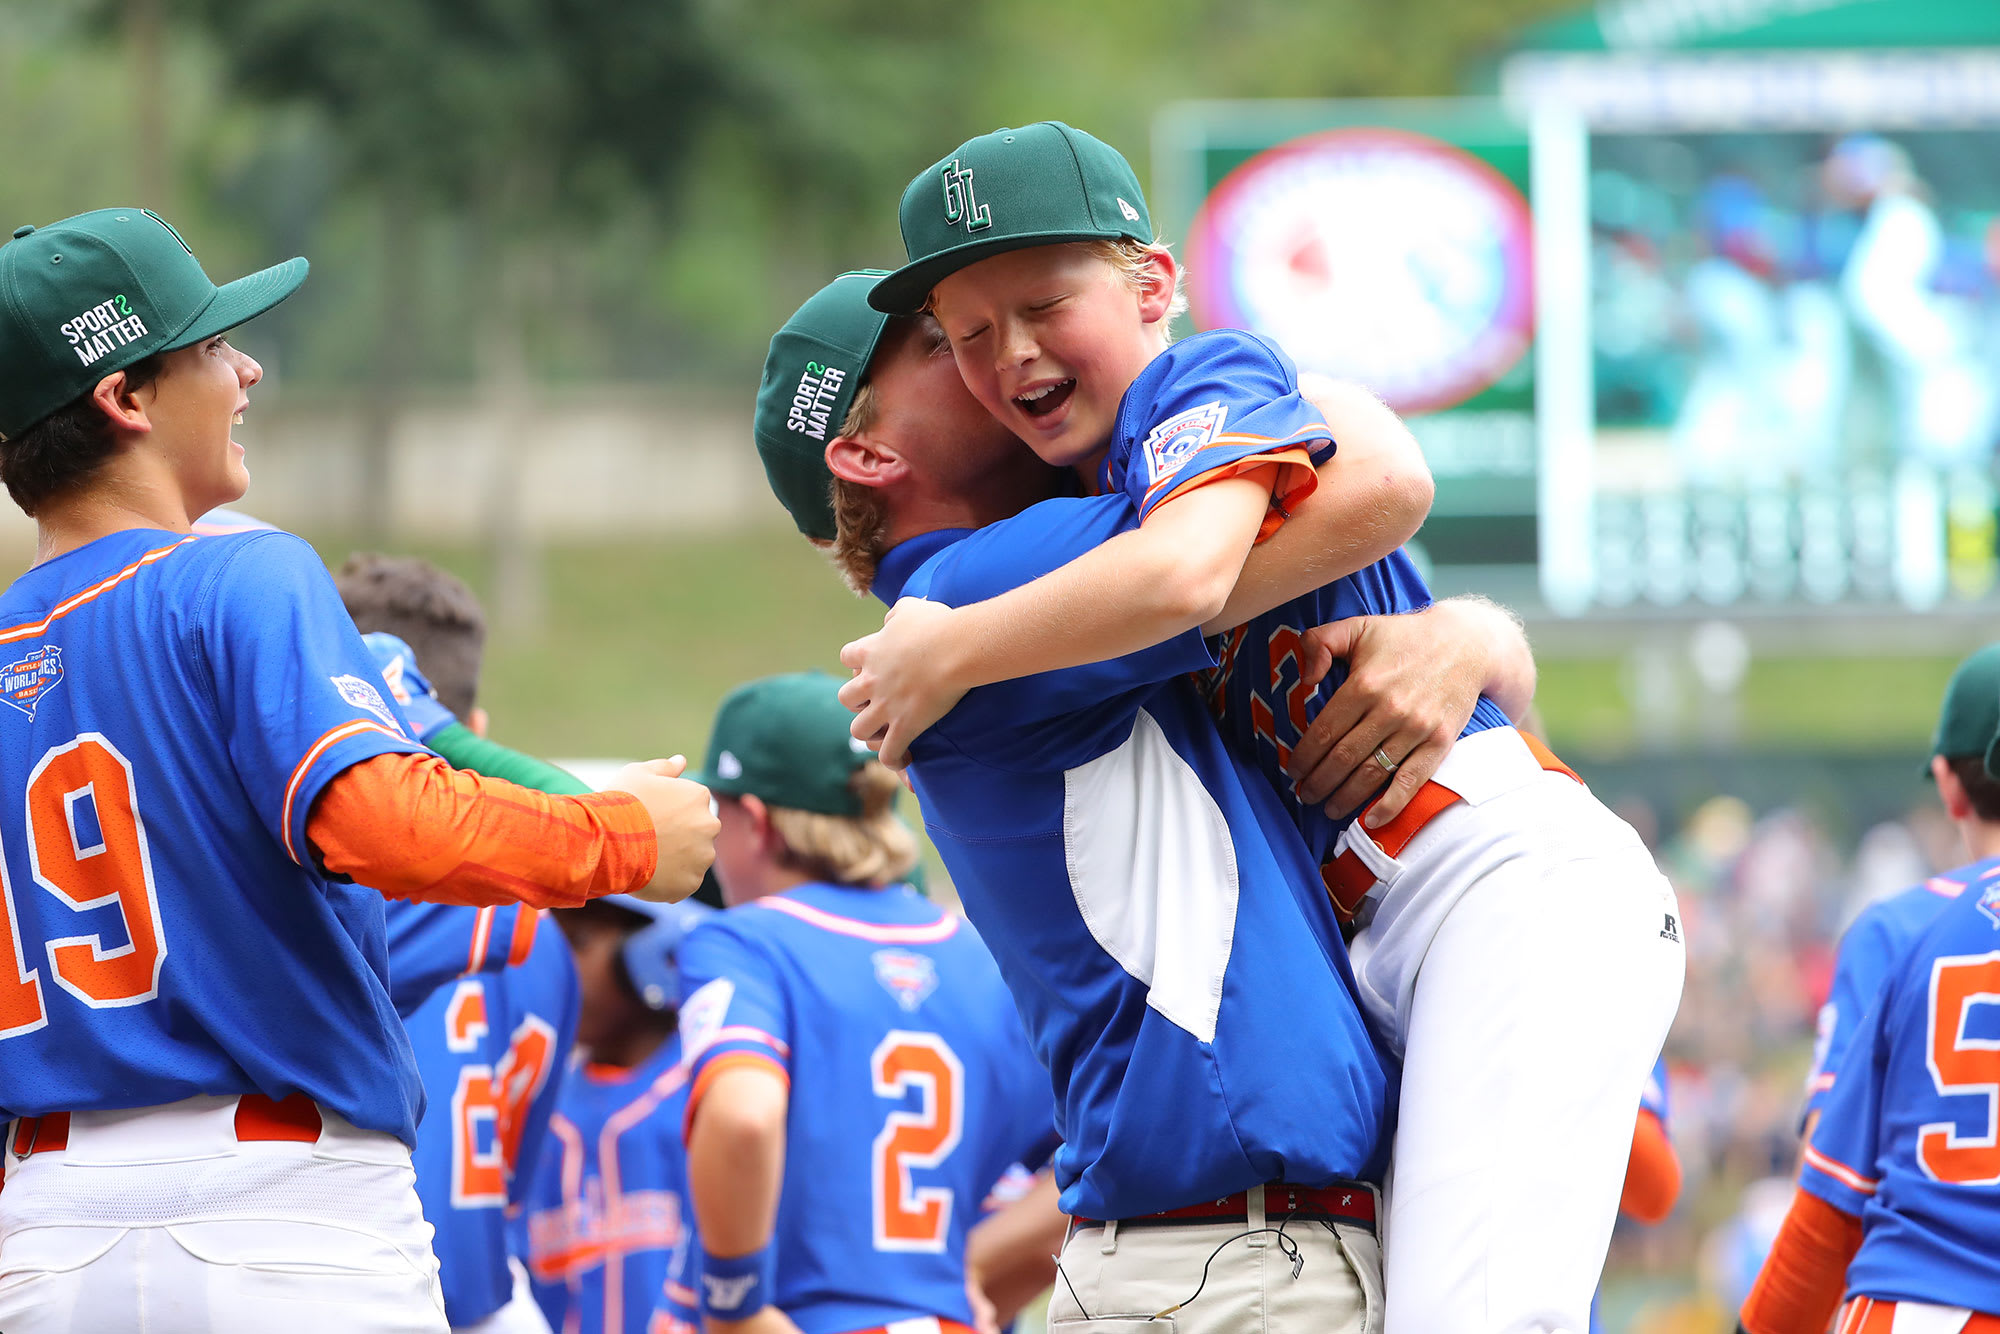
1388,765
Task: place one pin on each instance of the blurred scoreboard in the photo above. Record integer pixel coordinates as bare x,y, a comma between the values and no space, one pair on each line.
1741,355
1388,243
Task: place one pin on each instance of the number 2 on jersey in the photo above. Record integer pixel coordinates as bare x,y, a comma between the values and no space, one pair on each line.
87,847
1960,1064
907,1218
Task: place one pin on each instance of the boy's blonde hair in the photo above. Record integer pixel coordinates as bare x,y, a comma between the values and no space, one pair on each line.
870,849
1130,257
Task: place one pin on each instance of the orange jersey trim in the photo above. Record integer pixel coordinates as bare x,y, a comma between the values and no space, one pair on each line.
729,1060
1296,480
96,590
1840,1172
526,922
304,766
482,936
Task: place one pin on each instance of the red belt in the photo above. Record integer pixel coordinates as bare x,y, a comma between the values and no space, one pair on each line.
944,1327
1348,878
257,1118
1345,1201
1865,1315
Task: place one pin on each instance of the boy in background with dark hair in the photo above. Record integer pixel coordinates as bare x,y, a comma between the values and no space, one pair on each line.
493,1043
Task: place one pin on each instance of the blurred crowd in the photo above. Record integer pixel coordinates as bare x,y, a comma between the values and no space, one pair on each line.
1764,896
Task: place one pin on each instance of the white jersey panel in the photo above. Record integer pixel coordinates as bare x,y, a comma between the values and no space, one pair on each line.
1154,878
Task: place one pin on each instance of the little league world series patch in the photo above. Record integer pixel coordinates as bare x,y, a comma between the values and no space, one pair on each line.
24,681
1174,441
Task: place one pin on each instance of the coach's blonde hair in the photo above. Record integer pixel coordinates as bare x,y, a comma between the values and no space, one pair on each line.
872,848
860,517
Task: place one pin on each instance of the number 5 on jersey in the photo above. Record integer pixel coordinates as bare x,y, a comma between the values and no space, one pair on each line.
87,847
1961,1064
908,1218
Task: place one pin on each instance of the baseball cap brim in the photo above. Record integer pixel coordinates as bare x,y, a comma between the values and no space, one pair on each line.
905,291
242,301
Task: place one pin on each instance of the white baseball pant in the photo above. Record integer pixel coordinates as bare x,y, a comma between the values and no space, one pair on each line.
1524,959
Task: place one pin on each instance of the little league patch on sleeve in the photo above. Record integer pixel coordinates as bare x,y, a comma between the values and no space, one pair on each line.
364,696
702,1016
1174,441
24,681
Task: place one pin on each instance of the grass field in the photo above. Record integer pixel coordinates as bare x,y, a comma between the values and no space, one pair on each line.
640,640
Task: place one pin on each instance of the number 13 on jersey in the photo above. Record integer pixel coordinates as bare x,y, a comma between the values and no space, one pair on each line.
908,1218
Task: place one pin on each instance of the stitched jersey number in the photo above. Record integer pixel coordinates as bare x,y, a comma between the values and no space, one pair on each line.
87,847
906,1218
491,1095
1960,1064
1285,643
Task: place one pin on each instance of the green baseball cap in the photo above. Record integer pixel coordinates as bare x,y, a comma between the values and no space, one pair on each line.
1970,717
815,365
1042,184
92,294
784,739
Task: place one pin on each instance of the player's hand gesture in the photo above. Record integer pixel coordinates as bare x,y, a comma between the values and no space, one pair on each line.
683,820
903,678
1410,688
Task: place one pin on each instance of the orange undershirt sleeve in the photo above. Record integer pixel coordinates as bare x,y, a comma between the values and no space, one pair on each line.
1803,1280
413,827
1293,478
1652,1174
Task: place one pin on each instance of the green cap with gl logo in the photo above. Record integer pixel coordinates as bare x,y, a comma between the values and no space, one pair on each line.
92,294
1042,184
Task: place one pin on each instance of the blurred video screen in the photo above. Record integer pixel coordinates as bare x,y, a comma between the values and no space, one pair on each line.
1795,361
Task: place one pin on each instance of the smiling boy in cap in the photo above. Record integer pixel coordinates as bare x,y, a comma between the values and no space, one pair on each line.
200,779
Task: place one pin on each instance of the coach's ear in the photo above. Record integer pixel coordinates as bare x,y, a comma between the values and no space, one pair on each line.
865,462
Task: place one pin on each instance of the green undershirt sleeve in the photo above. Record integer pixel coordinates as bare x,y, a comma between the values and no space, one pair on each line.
462,748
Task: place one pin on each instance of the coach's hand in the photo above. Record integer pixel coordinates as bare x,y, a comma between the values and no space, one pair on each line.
683,821
1411,684
904,678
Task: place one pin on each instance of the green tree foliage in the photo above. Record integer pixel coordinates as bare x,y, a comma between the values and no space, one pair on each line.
685,170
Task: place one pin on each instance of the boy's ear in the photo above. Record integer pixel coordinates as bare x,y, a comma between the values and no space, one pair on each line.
1950,791
117,401
1156,285
864,462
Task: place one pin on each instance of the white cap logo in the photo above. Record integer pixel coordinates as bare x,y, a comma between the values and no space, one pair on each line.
728,766
1131,214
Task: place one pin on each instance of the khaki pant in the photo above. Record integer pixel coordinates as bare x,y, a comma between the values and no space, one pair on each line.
1112,1279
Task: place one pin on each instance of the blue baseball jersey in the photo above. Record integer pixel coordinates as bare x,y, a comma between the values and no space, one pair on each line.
432,943
170,708
1653,1098
1907,1138
912,1089
1150,904
410,688
1206,407
1869,950
611,1239
491,1048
